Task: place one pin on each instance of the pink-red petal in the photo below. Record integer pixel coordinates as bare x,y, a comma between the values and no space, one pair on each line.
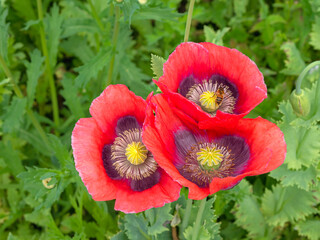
87,143
115,102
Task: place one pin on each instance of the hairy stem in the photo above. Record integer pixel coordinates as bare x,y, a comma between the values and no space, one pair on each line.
198,223
303,74
114,43
188,25
49,73
95,15
186,216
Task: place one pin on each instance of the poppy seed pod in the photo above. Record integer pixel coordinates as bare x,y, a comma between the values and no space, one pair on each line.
300,103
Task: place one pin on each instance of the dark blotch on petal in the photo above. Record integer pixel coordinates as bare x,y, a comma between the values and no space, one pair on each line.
240,152
145,183
127,123
184,140
193,173
186,84
222,80
107,163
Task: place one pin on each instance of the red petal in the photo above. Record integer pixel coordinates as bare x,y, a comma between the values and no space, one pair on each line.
159,139
188,59
87,143
266,142
115,102
240,70
165,191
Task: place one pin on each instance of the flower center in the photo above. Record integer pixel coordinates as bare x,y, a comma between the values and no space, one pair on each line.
209,156
212,96
136,153
208,101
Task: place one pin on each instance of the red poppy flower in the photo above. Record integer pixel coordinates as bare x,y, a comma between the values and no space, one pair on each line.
206,80
111,158
217,155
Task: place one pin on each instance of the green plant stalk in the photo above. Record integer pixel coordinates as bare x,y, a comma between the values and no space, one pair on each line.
303,74
114,43
186,216
188,25
19,94
95,16
49,73
197,225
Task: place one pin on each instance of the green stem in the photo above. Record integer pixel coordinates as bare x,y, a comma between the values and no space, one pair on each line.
49,73
186,216
19,94
188,25
114,43
302,75
198,223
95,16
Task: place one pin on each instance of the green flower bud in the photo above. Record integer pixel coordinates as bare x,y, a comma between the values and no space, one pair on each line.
300,103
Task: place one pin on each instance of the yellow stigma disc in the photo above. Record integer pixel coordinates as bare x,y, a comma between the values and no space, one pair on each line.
136,153
208,101
209,156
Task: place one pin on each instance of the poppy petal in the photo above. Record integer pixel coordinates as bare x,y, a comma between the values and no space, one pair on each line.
241,71
115,102
87,143
129,201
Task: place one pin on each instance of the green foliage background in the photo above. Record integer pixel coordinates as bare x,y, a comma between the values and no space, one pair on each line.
54,63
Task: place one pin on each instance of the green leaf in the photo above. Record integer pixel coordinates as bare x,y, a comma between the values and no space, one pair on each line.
309,228
11,158
157,217
72,99
249,217
12,237
157,66
240,7
44,219
209,226
128,8
30,24
136,227
120,236
34,71
14,114
4,28
32,182
203,234
215,37
289,204
91,69
303,143
24,9
315,34
302,178
60,151
155,13
74,26
53,25
294,63
132,76
72,46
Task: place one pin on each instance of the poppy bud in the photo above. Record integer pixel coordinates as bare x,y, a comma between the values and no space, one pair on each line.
300,103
